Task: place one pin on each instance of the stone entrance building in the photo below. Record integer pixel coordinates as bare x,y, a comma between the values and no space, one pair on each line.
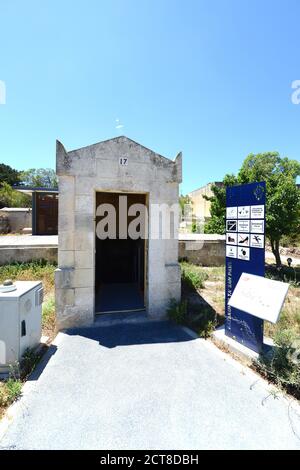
117,273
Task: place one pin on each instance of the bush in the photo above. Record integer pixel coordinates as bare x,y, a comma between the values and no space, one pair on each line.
177,311
13,388
11,198
207,324
203,321
192,276
48,313
29,361
284,274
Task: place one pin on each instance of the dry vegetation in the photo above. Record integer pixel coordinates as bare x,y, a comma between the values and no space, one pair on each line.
212,292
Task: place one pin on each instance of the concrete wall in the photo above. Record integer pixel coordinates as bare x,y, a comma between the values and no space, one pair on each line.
26,254
203,250
211,252
81,173
19,218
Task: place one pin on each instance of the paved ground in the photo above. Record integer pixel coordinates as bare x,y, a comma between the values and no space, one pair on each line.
28,240
147,385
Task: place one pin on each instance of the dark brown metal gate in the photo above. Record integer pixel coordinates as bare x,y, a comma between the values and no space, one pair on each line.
46,213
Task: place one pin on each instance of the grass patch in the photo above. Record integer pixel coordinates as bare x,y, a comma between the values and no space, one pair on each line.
28,363
202,320
11,389
213,293
34,271
9,392
48,314
192,276
282,366
289,317
177,311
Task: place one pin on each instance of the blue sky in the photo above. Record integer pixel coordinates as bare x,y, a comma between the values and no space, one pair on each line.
209,78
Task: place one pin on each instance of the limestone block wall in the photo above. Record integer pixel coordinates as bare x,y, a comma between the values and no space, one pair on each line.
203,250
81,174
18,217
26,254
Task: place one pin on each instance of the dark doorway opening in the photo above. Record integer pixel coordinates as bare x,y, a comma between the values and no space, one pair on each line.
120,262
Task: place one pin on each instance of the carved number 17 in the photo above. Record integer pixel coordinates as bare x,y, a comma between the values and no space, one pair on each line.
123,161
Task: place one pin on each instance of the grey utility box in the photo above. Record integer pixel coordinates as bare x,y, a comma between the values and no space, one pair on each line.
20,321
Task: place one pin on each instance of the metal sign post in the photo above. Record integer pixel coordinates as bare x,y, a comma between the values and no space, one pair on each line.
245,253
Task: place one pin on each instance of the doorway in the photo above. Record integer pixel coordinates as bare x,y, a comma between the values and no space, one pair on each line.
120,260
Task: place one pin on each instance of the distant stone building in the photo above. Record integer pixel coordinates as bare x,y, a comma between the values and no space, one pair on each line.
200,206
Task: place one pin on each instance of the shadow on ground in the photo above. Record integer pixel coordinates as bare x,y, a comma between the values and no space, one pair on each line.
45,358
127,334
199,310
285,274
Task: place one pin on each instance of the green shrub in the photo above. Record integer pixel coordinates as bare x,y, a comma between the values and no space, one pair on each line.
48,308
11,198
29,361
207,325
10,391
285,274
177,311
14,388
48,313
202,321
192,276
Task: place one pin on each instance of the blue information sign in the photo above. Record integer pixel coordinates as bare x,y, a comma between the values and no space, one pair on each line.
245,252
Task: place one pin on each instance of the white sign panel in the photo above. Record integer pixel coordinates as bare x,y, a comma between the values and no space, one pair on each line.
243,253
257,212
231,238
257,241
231,212
231,251
259,296
257,226
243,239
244,212
244,226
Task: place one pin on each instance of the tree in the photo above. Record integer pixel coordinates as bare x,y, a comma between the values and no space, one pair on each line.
9,197
9,175
282,197
216,224
39,177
